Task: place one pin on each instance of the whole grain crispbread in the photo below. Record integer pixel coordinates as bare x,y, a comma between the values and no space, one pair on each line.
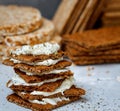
73,91
38,107
15,20
43,34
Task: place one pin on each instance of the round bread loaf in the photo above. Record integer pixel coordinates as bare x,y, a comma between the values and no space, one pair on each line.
15,20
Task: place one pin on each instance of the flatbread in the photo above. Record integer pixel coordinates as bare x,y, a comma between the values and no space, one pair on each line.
36,78
37,107
73,91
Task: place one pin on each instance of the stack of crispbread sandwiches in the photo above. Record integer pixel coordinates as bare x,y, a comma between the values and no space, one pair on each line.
21,25
43,80
93,46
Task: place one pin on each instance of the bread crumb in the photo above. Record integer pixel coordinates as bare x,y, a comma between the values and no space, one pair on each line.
118,78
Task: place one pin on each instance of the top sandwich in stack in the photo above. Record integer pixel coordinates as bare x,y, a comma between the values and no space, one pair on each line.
42,81
94,46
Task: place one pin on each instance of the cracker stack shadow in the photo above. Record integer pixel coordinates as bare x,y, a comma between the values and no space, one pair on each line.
43,80
93,46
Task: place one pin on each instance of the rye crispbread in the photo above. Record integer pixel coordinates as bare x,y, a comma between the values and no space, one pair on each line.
37,107
46,87
38,69
35,78
73,91
35,58
96,39
84,52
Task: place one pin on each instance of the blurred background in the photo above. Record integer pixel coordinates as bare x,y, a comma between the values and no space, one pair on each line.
47,7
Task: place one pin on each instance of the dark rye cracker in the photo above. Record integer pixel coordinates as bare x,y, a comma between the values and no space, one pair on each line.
68,43
39,69
36,78
79,52
98,57
96,39
90,62
37,58
37,107
46,87
73,91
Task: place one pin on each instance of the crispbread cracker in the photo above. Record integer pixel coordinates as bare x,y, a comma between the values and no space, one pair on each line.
87,62
36,78
73,91
97,57
96,39
46,87
79,52
38,69
82,17
43,69
43,34
37,107
91,7
74,16
14,22
36,58
67,7
77,46
96,14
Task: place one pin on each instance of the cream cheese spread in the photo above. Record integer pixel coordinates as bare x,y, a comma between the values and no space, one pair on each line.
67,83
47,62
17,80
45,48
52,101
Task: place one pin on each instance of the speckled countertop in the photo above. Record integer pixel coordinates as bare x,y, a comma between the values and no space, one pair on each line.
101,82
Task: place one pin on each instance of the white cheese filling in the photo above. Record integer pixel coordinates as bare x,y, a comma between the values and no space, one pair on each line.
52,101
51,72
66,84
47,62
17,80
45,48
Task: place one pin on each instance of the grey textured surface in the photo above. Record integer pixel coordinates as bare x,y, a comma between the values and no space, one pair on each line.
47,7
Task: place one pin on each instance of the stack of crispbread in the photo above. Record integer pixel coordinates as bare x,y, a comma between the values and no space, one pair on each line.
94,46
21,25
111,13
42,81
77,15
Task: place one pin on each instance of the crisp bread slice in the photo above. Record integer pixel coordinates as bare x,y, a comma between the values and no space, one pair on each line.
96,39
81,48
74,16
68,8
73,91
101,57
91,62
41,35
38,107
37,58
96,14
36,78
79,52
38,69
14,22
46,87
